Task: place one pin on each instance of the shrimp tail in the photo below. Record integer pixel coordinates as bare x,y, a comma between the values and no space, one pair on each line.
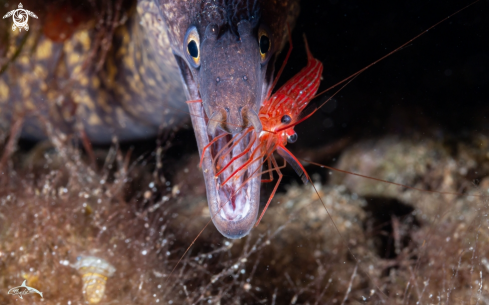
296,165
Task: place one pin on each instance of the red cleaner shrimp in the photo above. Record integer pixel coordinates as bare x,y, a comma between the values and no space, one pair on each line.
280,113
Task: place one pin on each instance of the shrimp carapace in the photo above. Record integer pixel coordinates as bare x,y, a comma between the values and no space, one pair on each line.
281,112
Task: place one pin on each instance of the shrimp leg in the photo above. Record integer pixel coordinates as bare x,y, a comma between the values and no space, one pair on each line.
280,175
270,170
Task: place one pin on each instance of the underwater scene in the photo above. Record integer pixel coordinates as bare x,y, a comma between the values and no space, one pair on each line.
244,152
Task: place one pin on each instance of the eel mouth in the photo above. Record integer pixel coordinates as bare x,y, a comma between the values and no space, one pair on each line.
232,174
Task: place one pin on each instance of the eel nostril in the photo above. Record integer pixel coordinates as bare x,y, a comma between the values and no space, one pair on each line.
214,121
253,118
245,78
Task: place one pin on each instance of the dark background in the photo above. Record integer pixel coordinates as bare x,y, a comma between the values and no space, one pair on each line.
437,85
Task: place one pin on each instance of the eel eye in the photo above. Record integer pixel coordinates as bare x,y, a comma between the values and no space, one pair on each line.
192,42
264,43
286,119
292,138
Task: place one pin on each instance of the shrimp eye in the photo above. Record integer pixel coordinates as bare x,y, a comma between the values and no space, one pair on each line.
286,119
292,138
192,41
264,44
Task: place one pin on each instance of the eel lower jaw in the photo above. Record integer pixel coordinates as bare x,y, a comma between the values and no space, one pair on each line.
233,204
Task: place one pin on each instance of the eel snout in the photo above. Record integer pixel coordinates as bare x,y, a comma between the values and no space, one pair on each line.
231,84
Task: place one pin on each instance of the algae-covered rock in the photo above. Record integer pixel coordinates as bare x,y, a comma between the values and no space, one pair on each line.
434,247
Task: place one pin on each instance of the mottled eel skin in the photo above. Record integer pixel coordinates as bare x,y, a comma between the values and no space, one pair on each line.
118,68
130,96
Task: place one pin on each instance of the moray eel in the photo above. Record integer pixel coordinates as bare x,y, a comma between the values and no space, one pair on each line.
125,69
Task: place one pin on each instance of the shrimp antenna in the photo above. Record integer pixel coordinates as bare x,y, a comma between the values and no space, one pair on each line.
390,182
289,51
392,52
